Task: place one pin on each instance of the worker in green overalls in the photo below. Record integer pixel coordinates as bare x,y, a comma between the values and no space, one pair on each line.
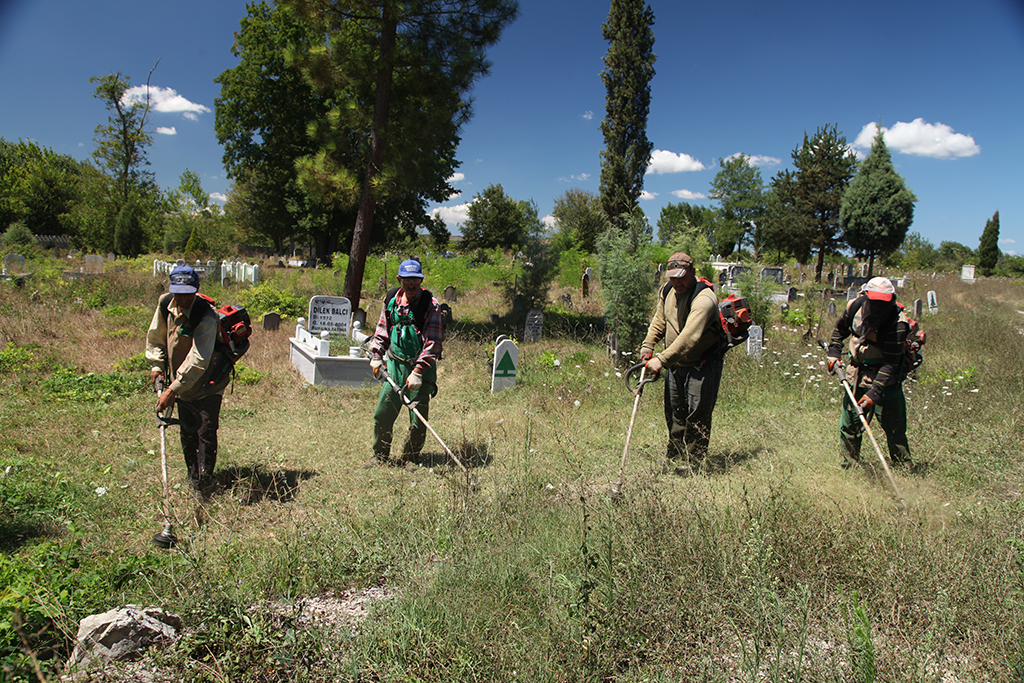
408,338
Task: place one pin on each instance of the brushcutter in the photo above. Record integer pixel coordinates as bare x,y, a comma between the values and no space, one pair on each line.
166,538
840,372
410,405
637,391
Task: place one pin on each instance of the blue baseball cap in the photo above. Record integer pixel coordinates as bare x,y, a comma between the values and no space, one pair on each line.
410,268
184,280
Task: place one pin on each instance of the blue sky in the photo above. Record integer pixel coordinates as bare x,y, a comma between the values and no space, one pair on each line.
945,78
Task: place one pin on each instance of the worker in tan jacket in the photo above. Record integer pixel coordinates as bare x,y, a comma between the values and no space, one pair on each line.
688,321
181,345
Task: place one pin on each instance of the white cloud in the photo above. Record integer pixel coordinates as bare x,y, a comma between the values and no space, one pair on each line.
688,194
756,159
549,221
663,161
588,115
162,130
452,215
647,196
218,197
920,138
457,177
164,100
582,177
1008,240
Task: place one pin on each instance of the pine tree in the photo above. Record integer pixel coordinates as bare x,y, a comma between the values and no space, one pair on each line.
629,68
988,250
877,207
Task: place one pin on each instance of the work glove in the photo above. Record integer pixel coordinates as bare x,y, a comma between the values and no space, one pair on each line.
832,364
866,404
654,366
646,355
415,381
375,366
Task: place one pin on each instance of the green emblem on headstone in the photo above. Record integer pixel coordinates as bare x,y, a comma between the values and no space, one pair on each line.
506,368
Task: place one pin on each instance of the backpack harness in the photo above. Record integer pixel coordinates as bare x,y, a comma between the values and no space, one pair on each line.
233,331
912,353
733,313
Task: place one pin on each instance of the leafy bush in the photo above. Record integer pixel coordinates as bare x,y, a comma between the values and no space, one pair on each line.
267,297
18,235
628,287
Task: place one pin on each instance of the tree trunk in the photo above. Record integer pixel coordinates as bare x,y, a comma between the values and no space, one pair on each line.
819,265
871,264
364,219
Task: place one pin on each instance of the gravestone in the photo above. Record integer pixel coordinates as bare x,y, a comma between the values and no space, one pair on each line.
832,308
852,292
864,270
791,294
831,279
534,325
772,274
918,308
14,263
784,309
585,286
446,315
755,342
450,294
94,264
111,256
803,278
359,316
271,321
329,314
933,303
967,273
589,272
506,364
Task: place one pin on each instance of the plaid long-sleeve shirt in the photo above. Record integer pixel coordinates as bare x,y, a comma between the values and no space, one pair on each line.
430,335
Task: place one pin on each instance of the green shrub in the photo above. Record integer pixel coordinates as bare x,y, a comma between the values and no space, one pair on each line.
18,235
67,384
267,297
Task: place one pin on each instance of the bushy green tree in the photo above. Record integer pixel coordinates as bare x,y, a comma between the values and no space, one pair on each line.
627,74
579,221
878,207
37,186
739,191
955,253
397,74
17,235
914,253
785,231
498,220
988,249
133,201
627,281
686,218
262,115
824,166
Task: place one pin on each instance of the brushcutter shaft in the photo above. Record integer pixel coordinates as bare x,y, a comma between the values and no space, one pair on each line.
408,402
840,371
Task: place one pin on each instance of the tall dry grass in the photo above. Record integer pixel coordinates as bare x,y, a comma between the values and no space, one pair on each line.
773,564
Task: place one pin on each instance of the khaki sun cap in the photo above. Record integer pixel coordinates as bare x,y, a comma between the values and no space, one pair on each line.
677,264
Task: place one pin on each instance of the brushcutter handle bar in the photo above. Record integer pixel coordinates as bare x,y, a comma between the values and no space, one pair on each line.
641,380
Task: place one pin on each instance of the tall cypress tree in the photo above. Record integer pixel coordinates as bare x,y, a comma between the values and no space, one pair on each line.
629,68
878,207
988,250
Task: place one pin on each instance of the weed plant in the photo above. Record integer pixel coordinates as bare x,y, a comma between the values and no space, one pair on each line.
773,564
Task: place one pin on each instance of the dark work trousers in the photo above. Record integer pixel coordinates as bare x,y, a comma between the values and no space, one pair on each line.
389,405
200,419
891,410
690,396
